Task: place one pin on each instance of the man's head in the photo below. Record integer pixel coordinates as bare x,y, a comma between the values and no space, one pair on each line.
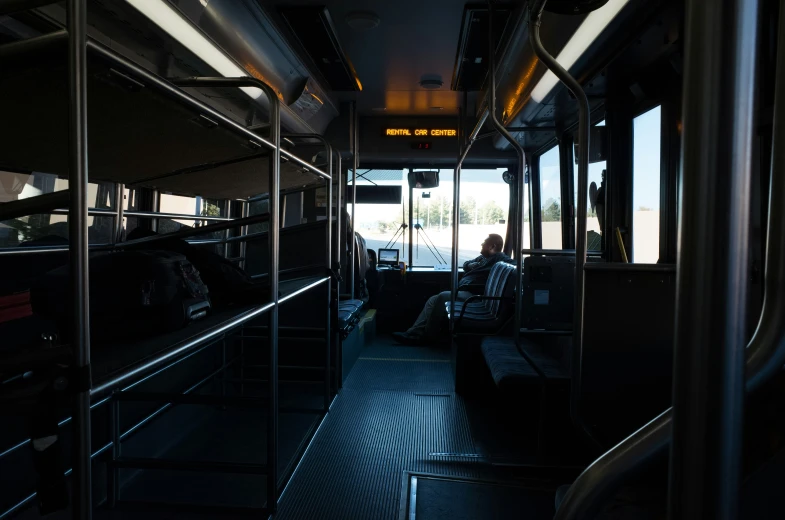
492,245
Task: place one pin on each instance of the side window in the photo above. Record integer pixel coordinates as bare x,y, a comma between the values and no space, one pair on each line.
196,206
593,232
550,199
16,186
646,187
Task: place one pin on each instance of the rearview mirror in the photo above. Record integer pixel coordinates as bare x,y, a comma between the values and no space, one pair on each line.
424,179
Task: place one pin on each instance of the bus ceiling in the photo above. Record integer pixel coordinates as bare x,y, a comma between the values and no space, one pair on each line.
439,66
626,36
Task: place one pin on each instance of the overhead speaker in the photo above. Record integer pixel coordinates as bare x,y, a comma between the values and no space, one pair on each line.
508,177
573,6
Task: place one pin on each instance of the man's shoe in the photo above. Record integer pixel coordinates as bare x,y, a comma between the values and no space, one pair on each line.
406,339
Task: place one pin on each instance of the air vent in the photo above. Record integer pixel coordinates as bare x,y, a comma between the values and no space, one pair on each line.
471,61
313,28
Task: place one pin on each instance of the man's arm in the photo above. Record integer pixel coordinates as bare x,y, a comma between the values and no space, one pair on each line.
470,265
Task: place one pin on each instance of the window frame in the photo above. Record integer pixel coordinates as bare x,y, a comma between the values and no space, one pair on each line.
407,166
537,174
663,180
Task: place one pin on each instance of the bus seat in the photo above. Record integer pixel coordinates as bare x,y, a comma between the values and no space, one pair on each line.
492,309
510,370
349,314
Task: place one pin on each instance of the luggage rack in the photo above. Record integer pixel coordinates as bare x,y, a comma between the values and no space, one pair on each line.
253,160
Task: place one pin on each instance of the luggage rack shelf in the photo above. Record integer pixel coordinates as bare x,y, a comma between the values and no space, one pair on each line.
116,377
196,151
185,341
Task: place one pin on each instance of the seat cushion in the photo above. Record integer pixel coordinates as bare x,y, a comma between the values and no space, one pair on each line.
351,305
511,370
349,312
347,318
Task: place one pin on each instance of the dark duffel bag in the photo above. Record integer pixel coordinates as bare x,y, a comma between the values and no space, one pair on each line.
132,294
227,282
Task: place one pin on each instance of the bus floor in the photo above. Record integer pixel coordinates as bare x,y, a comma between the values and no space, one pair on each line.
397,417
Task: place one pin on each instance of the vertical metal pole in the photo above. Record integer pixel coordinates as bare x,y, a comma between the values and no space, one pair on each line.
411,226
583,176
243,231
225,213
156,208
274,244
329,267
353,139
78,250
113,483
509,245
338,248
530,171
338,220
456,196
536,203
518,238
708,392
120,211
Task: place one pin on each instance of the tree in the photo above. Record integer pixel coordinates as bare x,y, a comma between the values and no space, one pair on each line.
468,209
439,213
210,210
491,213
551,211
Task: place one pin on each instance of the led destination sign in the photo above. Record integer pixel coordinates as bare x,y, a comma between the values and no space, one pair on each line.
419,132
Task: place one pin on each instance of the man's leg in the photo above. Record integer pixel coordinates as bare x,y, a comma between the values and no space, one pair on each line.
418,329
434,323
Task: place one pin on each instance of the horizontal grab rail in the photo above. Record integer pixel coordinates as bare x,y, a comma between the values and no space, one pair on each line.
190,232
32,205
557,252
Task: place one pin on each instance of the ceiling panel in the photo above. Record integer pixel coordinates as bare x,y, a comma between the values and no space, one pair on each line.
415,40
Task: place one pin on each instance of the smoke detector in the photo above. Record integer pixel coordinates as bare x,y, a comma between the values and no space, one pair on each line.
362,20
431,84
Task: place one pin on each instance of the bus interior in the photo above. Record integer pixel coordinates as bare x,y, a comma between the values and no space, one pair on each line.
318,259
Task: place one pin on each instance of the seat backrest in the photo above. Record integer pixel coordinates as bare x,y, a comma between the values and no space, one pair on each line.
628,329
499,283
548,294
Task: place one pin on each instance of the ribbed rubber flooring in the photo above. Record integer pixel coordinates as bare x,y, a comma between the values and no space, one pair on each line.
396,413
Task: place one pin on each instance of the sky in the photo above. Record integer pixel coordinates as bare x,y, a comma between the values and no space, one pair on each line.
645,164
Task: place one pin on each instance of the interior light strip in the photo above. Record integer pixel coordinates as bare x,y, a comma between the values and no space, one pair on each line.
164,16
589,30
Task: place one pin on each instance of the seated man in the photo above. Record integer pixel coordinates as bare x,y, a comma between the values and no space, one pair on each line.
428,324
